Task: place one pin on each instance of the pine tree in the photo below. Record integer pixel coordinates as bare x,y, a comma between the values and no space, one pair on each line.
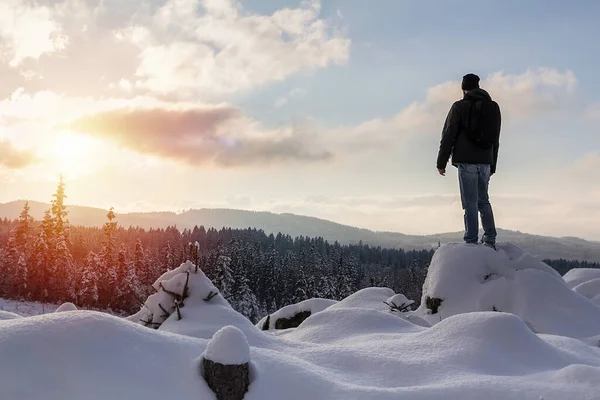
108,275
133,292
59,211
24,230
88,292
224,279
140,265
63,272
121,270
39,273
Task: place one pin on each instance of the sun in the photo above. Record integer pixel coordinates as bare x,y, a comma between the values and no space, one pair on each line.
73,154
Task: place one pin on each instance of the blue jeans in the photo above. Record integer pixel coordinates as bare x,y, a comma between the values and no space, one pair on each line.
474,180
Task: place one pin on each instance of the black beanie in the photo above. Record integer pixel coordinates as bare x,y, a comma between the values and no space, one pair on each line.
470,82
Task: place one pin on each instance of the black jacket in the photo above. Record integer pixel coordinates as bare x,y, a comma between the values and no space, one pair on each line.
454,140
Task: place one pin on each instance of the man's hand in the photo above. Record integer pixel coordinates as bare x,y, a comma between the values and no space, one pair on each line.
442,172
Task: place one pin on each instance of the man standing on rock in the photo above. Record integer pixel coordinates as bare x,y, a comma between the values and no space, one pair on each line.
471,135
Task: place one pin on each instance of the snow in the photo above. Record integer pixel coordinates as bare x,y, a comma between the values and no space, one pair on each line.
399,301
228,347
589,289
577,276
470,278
312,305
4,315
26,308
353,349
66,307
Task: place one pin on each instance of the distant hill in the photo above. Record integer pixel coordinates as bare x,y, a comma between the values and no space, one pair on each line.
296,225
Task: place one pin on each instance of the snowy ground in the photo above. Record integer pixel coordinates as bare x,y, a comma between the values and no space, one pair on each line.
354,349
26,308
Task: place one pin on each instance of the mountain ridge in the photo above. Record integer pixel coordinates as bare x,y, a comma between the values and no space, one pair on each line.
570,248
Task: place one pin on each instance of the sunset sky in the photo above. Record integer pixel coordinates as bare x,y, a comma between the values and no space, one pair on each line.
331,109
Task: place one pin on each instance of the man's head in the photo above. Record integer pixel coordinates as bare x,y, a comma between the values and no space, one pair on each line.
469,82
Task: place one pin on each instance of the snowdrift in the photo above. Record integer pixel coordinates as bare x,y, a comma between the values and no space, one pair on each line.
294,314
357,348
465,278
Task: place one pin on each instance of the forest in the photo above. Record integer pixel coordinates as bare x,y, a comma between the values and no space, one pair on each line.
113,268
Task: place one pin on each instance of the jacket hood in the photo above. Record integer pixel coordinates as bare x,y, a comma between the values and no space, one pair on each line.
478,94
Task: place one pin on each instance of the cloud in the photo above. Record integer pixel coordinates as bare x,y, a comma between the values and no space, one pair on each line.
592,112
28,30
584,171
214,48
534,92
13,158
200,49
196,136
294,93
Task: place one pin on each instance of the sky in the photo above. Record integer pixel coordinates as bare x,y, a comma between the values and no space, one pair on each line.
332,109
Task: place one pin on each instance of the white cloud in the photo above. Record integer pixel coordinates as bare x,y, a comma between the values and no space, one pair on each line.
593,112
534,92
223,49
294,93
28,29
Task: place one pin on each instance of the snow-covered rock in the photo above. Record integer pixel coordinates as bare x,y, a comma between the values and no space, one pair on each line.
228,347
66,307
465,278
297,312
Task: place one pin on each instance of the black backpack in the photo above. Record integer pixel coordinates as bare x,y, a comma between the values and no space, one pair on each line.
483,129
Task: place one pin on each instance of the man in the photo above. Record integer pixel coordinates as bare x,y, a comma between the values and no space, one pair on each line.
471,135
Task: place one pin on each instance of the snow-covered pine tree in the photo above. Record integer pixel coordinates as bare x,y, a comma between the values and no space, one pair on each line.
122,268
224,279
88,290
39,272
139,262
169,257
241,298
63,272
133,291
108,270
59,212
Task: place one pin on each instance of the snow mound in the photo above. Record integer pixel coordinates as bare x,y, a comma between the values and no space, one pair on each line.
4,315
372,298
466,278
187,303
66,307
577,276
306,307
228,347
589,289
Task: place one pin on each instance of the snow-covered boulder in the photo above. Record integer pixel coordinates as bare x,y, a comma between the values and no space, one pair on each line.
577,276
465,278
5,315
226,364
291,316
66,307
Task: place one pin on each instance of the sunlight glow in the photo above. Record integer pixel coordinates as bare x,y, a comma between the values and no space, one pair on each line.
75,155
